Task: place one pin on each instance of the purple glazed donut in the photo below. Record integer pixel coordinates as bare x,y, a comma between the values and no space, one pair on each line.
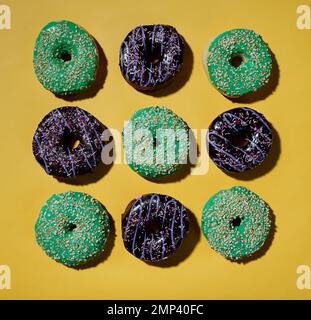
154,226
67,142
239,139
151,55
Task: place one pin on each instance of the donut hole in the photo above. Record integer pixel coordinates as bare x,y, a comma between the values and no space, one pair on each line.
239,138
153,226
236,60
65,56
154,55
236,222
71,227
63,53
70,141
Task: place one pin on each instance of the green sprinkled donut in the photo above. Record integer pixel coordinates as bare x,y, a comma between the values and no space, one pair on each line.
238,62
72,228
156,142
236,222
65,58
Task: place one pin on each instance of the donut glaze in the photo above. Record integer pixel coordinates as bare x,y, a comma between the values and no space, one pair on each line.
72,228
239,139
236,222
238,62
65,58
54,142
156,142
154,226
151,55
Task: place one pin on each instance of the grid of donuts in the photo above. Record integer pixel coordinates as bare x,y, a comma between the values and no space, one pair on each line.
73,227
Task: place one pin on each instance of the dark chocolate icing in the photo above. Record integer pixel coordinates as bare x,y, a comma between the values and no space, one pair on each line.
154,226
239,139
151,55
53,142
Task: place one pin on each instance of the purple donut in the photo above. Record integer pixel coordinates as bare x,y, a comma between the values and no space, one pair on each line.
151,55
67,142
239,139
154,226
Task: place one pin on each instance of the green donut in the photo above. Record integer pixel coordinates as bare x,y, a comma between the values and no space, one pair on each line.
65,58
72,228
156,142
238,62
236,222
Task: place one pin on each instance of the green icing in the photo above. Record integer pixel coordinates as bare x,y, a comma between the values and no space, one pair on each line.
72,228
254,70
151,151
65,58
236,222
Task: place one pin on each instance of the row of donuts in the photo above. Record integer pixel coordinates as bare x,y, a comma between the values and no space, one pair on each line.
73,227
69,141
66,59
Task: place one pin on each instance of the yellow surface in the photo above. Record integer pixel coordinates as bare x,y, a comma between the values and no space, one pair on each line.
203,274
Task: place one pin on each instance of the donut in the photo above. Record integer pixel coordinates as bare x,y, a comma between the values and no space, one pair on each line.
65,58
156,142
151,55
154,226
238,62
72,228
239,140
67,142
236,223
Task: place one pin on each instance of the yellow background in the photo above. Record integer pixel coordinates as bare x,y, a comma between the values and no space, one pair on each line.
204,274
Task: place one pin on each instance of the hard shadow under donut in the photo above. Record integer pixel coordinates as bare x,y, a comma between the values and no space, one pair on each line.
101,75
263,250
180,79
98,173
187,247
104,255
266,90
267,165
85,179
179,175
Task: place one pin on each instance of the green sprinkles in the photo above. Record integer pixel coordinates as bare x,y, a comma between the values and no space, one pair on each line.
156,142
72,228
65,58
236,222
238,62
